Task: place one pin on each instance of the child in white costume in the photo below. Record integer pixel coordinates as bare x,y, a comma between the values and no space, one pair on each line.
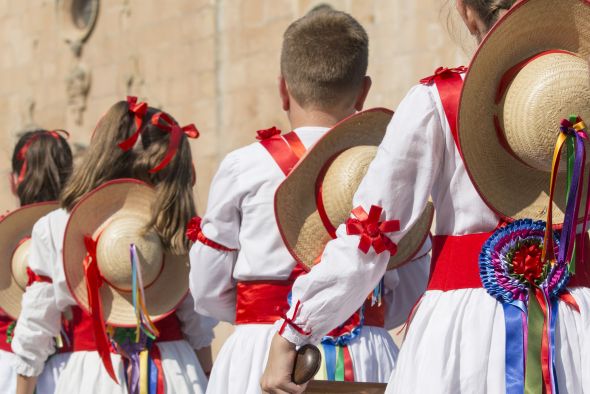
457,336
34,181
241,271
182,334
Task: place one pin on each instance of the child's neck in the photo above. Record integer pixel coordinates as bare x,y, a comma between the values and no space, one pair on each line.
317,118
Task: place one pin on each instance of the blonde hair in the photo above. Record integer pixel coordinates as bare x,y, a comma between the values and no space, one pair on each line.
105,161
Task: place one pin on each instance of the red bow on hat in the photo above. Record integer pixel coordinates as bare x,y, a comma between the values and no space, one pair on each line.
139,110
442,71
165,122
268,133
371,230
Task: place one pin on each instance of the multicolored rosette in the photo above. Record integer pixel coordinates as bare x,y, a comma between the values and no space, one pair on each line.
512,271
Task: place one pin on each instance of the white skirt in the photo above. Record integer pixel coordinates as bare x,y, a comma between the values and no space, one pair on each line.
455,344
45,382
7,374
241,361
84,372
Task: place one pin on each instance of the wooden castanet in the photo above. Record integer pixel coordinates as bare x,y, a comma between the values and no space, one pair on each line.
307,364
326,387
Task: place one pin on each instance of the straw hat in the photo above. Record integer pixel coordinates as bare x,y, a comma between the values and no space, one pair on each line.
15,233
116,215
337,163
529,73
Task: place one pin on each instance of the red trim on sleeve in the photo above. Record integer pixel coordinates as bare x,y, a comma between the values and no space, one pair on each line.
33,278
290,322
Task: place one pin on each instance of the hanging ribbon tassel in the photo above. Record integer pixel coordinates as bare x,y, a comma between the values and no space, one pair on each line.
138,111
377,295
144,322
93,284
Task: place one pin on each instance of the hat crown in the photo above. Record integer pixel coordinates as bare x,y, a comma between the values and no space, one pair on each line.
113,252
342,179
544,91
20,262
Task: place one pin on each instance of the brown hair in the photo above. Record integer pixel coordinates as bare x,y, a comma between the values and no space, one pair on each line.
324,57
105,161
489,10
42,163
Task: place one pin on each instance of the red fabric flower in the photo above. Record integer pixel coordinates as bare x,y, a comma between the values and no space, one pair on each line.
527,262
268,133
372,230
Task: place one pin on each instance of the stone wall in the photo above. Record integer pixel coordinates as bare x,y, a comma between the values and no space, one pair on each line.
214,63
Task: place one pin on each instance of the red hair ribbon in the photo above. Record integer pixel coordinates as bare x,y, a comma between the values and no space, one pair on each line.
268,133
22,153
93,283
371,230
139,110
292,323
165,122
441,71
194,234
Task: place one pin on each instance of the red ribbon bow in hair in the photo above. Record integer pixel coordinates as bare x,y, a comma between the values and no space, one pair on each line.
139,111
371,230
268,133
165,122
442,71
93,284
22,153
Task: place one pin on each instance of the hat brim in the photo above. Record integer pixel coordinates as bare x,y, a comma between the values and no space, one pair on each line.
296,212
89,216
15,226
508,186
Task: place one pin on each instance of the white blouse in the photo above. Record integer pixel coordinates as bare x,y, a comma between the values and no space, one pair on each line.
43,303
416,159
240,215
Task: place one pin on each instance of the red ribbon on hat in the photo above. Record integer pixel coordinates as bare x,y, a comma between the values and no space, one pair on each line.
22,153
371,230
139,110
93,283
267,133
165,122
441,71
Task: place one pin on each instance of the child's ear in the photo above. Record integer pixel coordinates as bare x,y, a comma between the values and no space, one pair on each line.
284,93
363,93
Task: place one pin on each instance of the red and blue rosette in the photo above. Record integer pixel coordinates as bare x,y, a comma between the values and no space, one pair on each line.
512,271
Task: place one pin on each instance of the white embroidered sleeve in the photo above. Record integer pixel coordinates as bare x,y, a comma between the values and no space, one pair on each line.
211,282
40,319
197,329
399,180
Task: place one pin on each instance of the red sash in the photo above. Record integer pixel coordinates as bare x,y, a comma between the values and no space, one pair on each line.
80,335
455,259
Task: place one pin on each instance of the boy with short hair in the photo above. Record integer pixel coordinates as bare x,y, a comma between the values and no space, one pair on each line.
241,271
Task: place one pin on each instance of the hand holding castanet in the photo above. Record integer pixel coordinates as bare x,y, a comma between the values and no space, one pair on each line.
307,363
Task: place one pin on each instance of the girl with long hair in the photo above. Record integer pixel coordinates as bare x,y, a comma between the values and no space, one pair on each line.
41,165
127,143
